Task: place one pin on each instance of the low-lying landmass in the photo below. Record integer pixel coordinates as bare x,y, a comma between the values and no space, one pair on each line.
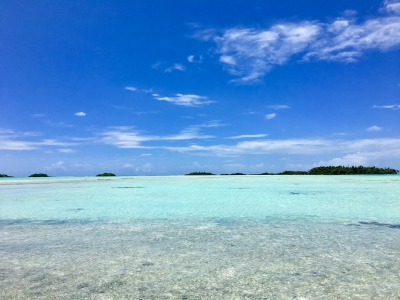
39,175
200,173
4,176
234,174
105,174
339,170
329,170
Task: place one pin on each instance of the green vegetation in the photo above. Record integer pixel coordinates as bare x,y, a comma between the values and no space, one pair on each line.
105,174
4,176
39,175
234,174
339,170
200,173
293,173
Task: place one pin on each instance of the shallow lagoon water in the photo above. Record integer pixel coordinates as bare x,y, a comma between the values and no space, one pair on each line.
217,237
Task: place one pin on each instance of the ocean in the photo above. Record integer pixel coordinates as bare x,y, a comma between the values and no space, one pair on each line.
200,237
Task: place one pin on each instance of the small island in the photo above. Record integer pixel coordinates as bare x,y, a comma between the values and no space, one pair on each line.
39,175
4,176
339,170
234,174
200,173
105,174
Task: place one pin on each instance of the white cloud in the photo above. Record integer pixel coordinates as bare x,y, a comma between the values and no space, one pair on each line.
16,141
270,116
130,88
178,67
80,114
127,166
192,59
374,128
127,137
145,154
394,106
133,89
249,53
392,6
58,164
186,100
295,146
248,136
278,107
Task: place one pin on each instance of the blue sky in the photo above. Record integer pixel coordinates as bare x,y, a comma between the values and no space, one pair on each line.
171,87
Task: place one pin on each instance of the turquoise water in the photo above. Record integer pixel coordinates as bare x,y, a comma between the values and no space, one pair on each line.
217,237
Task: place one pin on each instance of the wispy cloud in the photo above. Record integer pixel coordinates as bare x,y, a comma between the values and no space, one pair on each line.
249,53
58,165
374,128
17,141
279,106
80,114
192,59
178,67
394,106
38,115
244,136
391,6
295,146
128,137
134,89
185,100
130,88
270,116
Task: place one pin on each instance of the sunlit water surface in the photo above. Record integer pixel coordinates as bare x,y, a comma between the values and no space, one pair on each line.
218,237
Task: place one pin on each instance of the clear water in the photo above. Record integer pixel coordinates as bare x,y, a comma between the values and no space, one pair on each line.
219,237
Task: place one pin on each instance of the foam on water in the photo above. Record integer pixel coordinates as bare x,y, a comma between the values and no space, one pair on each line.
255,237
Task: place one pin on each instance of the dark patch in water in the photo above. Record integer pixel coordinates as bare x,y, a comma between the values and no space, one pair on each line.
147,264
82,285
42,222
293,193
75,209
397,226
128,187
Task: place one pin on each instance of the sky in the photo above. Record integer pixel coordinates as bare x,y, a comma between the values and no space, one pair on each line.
171,87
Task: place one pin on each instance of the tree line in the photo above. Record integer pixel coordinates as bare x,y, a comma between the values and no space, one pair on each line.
328,170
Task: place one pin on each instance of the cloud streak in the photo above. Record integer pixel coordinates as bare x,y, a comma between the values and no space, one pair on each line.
178,67
394,106
295,146
16,141
185,99
128,137
244,136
